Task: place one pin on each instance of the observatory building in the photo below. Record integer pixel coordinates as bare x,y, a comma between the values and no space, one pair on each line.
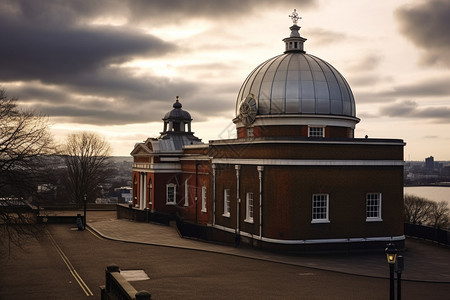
295,178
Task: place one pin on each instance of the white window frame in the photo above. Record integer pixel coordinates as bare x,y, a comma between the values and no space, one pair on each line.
226,202
203,198
312,131
315,207
250,132
378,217
249,207
174,187
186,192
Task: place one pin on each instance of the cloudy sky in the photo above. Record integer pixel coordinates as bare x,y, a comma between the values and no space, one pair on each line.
115,67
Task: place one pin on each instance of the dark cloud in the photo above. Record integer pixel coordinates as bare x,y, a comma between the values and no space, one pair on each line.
56,55
68,64
62,12
97,108
431,87
325,37
426,25
177,11
411,109
427,88
365,63
361,70
365,79
104,103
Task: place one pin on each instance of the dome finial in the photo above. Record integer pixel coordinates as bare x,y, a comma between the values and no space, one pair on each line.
294,16
177,104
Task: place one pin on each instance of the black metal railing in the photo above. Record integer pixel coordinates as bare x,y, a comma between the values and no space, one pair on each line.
438,235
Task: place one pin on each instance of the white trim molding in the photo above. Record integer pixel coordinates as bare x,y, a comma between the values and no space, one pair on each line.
306,119
315,241
306,162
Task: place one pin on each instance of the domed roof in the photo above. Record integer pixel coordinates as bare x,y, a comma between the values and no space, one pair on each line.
177,113
296,83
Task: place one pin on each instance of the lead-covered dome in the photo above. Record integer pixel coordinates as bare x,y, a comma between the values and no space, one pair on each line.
298,83
177,113
296,89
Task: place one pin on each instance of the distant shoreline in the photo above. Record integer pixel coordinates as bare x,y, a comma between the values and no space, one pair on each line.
437,184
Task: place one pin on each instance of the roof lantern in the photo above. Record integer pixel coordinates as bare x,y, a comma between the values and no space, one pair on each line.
177,119
294,43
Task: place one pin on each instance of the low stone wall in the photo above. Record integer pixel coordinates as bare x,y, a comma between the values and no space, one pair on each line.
117,287
142,215
57,219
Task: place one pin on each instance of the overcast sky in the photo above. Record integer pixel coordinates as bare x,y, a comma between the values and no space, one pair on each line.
115,67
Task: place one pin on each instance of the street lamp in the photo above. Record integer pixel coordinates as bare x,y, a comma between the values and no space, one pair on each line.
399,267
391,256
85,203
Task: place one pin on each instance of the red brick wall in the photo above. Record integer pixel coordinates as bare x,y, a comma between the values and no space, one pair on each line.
360,151
292,131
142,159
287,200
288,190
197,178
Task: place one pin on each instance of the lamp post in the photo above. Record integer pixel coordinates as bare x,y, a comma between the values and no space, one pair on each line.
85,203
391,256
399,267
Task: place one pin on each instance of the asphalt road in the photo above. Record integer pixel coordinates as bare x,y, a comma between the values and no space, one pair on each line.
70,264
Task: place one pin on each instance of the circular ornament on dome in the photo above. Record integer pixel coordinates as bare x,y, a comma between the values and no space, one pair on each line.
247,110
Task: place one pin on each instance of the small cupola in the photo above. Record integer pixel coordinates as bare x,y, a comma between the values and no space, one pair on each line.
177,120
294,43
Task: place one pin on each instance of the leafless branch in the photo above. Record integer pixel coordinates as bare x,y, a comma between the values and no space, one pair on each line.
24,142
87,160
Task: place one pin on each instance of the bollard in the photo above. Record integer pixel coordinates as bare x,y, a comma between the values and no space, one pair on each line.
79,222
113,268
143,295
109,269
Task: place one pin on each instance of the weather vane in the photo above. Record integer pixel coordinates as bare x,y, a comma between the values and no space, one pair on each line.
294,16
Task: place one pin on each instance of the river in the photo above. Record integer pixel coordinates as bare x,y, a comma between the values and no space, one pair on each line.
435,193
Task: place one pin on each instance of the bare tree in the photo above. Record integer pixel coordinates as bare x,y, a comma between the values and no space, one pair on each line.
439,215
417,209
426,212
87,160
24,142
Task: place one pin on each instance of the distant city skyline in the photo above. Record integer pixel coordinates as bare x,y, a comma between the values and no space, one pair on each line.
115,67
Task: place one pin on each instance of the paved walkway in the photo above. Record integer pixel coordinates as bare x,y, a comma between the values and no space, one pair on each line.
424,261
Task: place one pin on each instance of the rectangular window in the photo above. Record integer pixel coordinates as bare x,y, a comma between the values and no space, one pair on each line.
315,132
250,132
373,207
203,198
320,208
249,208
226,202
170,194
